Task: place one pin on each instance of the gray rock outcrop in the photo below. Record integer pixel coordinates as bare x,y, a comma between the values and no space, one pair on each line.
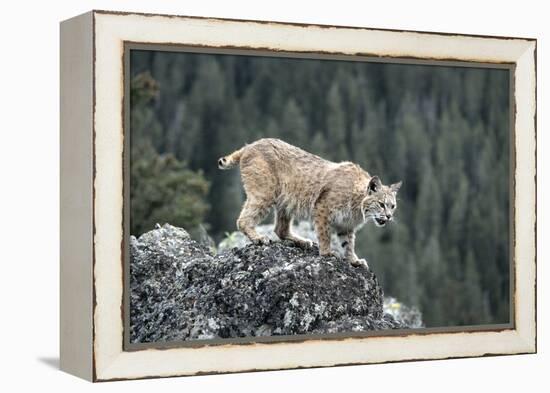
179,291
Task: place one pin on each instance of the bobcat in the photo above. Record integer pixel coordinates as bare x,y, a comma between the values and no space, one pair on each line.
339,196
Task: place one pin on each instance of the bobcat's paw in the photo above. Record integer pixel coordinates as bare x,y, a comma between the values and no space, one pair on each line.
304,243
360,262
261,241
328,254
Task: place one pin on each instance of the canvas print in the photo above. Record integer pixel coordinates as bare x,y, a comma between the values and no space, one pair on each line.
283,197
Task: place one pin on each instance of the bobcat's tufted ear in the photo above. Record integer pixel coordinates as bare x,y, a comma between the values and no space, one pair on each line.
396,186
374,185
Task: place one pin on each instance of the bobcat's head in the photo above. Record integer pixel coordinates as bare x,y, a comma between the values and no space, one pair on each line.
380,201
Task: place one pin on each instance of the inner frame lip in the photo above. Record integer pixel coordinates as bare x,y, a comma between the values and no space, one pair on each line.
129,46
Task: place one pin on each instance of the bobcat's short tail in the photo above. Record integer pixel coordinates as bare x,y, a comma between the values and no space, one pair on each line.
231,160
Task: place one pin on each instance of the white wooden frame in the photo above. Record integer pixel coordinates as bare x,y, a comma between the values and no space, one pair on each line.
92,89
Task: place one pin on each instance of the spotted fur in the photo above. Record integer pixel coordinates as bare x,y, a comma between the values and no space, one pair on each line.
297,184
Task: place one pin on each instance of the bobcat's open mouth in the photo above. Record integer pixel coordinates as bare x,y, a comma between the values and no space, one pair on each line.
380,221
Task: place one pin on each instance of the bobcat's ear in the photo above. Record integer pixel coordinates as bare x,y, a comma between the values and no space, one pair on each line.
396,186
374,185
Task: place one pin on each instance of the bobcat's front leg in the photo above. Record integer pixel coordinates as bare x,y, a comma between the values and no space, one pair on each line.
347,241
322,228
282,230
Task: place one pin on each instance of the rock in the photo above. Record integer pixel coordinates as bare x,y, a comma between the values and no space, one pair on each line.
179,290
406,315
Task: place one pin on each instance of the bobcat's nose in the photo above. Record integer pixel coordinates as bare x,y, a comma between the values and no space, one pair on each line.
388,217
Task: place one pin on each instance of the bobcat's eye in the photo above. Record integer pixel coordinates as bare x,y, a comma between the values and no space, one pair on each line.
381,204
393,206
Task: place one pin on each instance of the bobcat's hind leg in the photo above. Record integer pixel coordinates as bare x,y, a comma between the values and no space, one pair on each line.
252,214
282,229
260,187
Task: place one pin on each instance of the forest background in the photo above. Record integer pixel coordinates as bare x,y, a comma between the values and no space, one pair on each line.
444,131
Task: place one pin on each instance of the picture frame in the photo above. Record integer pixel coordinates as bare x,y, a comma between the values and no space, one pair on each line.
94,210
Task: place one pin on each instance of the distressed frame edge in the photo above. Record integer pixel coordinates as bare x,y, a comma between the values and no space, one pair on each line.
305,24
76,196
528,340
525,131
129,46
255,370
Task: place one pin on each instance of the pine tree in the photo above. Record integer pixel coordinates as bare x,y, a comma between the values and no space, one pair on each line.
293,126
336,125
163,190
474,308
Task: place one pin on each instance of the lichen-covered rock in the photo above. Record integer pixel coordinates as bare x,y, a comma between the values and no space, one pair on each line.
181,291
406,315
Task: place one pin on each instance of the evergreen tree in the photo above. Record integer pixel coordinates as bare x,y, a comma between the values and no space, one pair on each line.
293,127
475,307
163,190
336,125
